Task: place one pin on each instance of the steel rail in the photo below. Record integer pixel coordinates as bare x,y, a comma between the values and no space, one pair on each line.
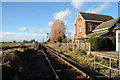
50,64
78,70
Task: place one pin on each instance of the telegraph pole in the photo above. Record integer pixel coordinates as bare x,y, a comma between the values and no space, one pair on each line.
43,39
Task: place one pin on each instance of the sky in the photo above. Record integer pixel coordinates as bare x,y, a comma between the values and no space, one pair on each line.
32,20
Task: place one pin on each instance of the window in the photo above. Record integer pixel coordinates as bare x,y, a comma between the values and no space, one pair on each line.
90,27
80,19
80,30
117,24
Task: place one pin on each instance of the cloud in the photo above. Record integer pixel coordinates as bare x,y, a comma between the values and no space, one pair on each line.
47,28
34,31
23,29
100,8
50,23
11,36
40,30
63,15
37,31
69,31
14,33
30,31
77,3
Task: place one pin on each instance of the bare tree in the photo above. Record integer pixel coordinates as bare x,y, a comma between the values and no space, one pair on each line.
58,29
68,35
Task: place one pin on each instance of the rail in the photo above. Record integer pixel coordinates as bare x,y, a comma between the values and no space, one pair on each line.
68,63
50,63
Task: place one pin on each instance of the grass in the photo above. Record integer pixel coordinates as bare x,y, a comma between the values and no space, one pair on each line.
17,58
7,44
86,60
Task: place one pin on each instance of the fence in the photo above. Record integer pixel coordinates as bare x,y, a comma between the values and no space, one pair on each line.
86,46
108,67
73,46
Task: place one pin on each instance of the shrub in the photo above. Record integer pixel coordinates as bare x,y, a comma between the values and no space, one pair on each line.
97,59
70,49
81,52
94,42
8,57
113,40
48,40
59,39
102,43
59,45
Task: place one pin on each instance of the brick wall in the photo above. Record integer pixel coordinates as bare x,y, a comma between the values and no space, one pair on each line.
82,24
94,25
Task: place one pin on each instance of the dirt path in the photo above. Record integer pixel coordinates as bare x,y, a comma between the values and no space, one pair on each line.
36,68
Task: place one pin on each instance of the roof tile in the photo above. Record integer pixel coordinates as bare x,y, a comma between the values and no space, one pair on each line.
96,17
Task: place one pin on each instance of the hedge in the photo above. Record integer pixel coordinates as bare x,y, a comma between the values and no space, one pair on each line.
103,43
59,39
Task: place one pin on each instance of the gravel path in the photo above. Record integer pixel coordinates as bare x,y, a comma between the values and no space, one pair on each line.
36,68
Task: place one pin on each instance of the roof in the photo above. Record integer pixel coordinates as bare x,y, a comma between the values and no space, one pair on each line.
95,17
100,33
106,24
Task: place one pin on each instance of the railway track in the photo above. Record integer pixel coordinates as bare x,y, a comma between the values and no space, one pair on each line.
62,69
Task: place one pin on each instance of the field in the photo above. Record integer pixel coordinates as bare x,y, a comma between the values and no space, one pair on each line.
7,44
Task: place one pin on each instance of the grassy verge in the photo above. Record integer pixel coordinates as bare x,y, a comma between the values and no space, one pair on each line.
17,58
88,60
7,44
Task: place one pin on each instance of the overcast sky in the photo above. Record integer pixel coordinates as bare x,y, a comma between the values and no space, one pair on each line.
32,20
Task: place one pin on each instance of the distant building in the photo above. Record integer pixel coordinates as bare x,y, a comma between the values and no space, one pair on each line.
89,24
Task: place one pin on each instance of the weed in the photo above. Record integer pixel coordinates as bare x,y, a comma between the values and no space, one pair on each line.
70,49
81,52
59,44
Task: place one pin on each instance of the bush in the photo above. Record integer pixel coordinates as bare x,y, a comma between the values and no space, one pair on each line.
102,43
59,45
113,40
8,57
70,49
59,39
48,40
81,52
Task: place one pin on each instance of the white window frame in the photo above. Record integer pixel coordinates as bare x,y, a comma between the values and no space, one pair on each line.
90,27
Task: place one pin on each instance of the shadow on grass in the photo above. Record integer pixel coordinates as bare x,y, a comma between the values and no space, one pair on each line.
86,70
18,60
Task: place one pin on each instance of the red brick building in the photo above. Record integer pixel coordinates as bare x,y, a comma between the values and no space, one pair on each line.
89,24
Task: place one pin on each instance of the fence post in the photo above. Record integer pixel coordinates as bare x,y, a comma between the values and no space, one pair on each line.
67,44
85,45
119,62
89,48
110,67
94,61
73,46
78,44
